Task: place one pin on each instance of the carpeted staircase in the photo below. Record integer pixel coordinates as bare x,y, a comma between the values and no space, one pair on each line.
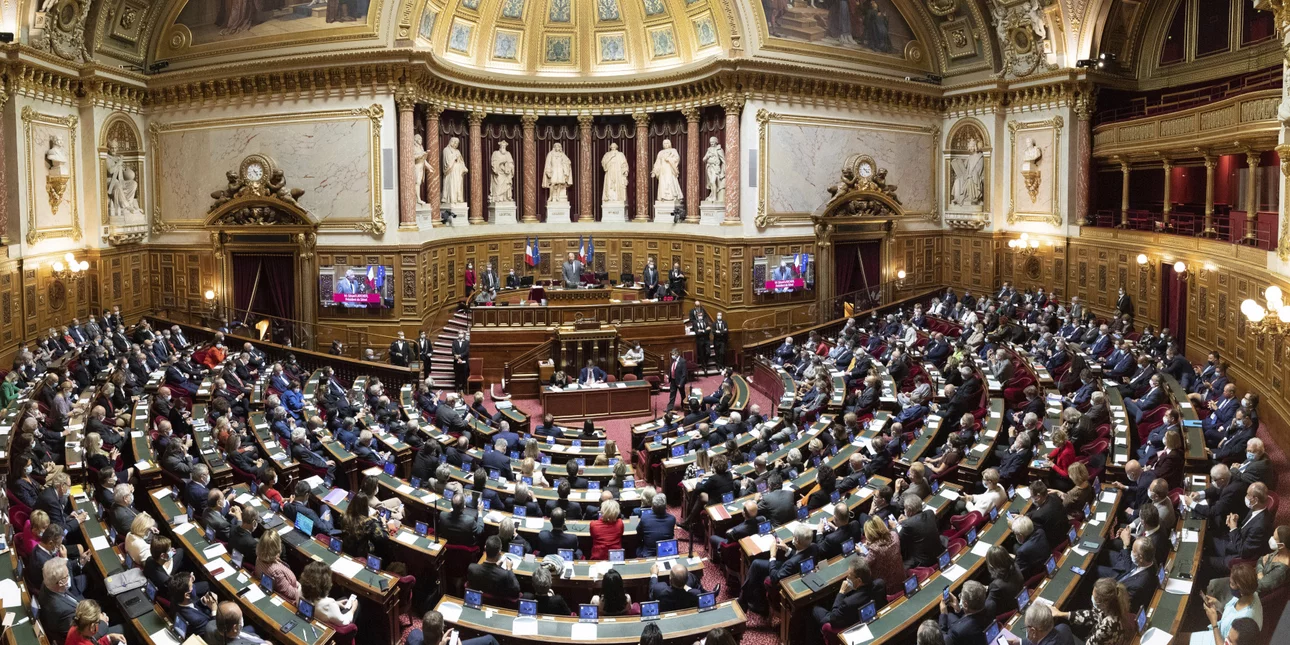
441,359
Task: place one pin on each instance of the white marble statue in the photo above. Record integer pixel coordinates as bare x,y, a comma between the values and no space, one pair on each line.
615,166
714,165
503,165
420,165
56,157
453,190
558,175
667,169
1031,155
126,197
967,187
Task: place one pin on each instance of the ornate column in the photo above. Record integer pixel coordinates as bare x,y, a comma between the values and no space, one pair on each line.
1283,229
1251,198
1084,144
692,164
434,174
1124,195
586,210
1168,207
642,167
531,186
476,120
1210,164
406,103
4,186
733,106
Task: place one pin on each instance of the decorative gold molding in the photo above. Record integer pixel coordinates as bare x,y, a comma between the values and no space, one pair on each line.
1250,117
174,41
374,223
70,122
1054,216
766,218
1283,244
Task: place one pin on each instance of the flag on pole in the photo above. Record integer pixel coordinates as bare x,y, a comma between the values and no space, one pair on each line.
582,249
802,260
531,255
591,250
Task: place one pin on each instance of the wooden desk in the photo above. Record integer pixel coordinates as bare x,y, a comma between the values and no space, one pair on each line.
618,400
562,296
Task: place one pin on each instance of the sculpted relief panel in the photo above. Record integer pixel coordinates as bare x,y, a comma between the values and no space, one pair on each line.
802,157
331,155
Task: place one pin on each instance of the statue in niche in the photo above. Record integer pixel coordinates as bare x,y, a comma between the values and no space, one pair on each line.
714,165
557,175
503,165
56,157
123,197
1031,155
667,169
967,185
454,174
615,166
420,165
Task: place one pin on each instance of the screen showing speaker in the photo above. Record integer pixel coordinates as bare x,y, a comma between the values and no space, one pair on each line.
787,273
356,287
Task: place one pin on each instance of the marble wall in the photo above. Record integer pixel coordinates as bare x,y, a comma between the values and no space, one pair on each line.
328,154
804,156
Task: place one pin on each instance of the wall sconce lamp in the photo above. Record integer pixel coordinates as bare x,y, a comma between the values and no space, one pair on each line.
1025,245
900,278
1184,272
210,302
1274,320
1144,261
73,269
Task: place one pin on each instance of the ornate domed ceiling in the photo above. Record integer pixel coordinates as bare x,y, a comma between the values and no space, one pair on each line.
573,37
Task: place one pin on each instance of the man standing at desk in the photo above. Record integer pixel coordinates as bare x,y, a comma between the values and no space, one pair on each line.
350,284
676,374
400,352
649,278
676,280
488,281
590,375
720,340
572,272
460,361
701,345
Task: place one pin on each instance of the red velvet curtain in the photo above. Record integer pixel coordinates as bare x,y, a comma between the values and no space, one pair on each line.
856,266
1173,305
275,294
245,268
564,131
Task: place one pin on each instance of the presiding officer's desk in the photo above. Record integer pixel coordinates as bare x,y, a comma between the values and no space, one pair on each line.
558,295
677,626
603,401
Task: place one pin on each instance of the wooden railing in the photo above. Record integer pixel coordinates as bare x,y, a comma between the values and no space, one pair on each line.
552,316
1249,116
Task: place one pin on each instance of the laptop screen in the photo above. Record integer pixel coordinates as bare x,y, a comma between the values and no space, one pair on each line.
304,524
911,585
707,601
764,528
334,545
666,548
565,554
517,549
373,563
615,555
808,565
528,607
868,612
305,608
588,613
474,599
649,609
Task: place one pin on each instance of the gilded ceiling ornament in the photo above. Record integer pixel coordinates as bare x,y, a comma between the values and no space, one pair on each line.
1023,35
942,8
64,32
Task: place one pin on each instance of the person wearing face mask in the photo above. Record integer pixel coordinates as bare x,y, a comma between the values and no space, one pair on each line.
23,487
1245,539
1242,601
229,628
1272,571
1256,467
1231,449
1224,496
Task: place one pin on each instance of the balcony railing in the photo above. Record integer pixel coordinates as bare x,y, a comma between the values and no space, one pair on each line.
1228,227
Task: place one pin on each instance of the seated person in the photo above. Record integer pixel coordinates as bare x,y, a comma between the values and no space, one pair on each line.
493,576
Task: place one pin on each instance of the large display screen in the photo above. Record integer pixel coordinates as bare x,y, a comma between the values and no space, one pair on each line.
784,273
363,287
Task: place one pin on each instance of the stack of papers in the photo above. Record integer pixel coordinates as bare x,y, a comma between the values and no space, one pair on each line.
857,636
346,567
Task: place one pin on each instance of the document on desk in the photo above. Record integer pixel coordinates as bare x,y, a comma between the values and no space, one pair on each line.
1189,535
450,611
524,626
764,542
163,637
346,567
214,551
1156,636
949,493
858,636
334,496
981,548
1109,497
406,537
1177,586
100,542
583,632
253,594
534,523
954,572
1202,638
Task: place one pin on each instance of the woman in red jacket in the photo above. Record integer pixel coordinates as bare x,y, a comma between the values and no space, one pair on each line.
606,532
87,623
1063,454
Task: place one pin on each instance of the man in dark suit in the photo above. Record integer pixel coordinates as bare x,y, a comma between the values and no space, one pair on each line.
1137,572
649,278
1041,630
55,502
424,349
1231,449
963,620
122,513
479,486
702,328
1015,460
785,560
1124,304
1248,539
750,526
920,538
497,459
58,600
460,361
1154,396
720,340
1033,547
712,489
858,589
656,525
591,374
1047,513
298,504
573,510
550,541
844,527
776,504
242,538
675,594
676,374
460,526
1256,467
400,351
493,576
200,619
